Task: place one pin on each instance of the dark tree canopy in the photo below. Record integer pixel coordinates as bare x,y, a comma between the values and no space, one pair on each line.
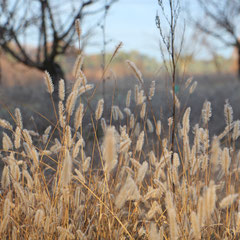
49,25
221,21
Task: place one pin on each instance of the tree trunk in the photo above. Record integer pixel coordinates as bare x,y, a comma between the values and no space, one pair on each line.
55,72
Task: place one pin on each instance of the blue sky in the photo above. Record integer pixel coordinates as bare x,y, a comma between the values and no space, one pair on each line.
133,23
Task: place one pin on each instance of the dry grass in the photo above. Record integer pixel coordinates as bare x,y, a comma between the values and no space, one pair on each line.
50,189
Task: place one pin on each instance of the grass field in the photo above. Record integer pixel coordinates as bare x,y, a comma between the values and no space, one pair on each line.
73,170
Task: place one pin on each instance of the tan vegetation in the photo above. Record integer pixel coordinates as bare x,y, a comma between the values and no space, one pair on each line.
50,188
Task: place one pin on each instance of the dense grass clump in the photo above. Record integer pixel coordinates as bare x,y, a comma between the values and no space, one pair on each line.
126,187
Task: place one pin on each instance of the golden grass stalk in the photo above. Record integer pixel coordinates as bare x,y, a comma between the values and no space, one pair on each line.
115,113
206,112
61,90
195,226
71,101
228,200
236,131
103,124
49,83
5,180
192,88
78,117
6,142
66,171
152,90
150,126
225,160
153,232
136,71
128,98
142,172
61,114
109,152
77,66
140,142
99,109
143,111
5,124
78,27
158,128
18,117
76,147
228,113
188,82
129,191
127,111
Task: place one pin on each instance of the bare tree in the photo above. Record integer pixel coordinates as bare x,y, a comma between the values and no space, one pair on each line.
221,21
46,24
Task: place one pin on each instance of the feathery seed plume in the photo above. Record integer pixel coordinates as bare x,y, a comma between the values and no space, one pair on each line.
236,131
153,232
109,150
143,111
138,74
206,112
103,124
158,128
18,116
66,172
49,83
5,124
225,160
129,191
142,172
140,142
127,111
195,226
77,65
150,125
61,89
188,82
128,98
78,117
152,90
227,201
61,114
17,138
228,113
78,27
193,87
6,142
